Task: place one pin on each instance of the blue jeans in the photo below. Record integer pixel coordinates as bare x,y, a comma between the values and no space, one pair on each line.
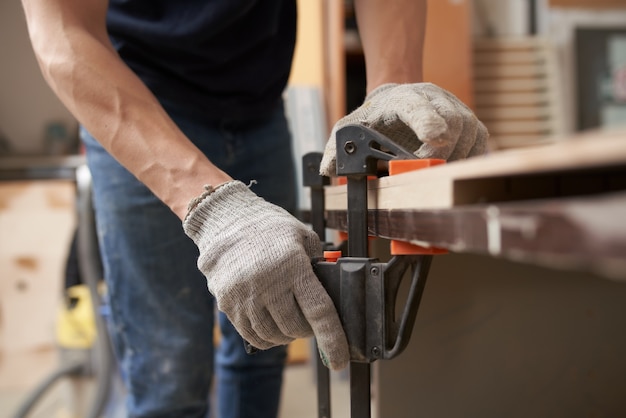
162,315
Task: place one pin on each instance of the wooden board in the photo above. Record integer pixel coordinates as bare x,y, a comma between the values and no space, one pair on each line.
514,113
512,85
508,71
516,127
508,58
497,99
511,141
502,175
569,233
589,4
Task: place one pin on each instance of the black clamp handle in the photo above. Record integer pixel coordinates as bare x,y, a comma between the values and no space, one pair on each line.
365,293
364,290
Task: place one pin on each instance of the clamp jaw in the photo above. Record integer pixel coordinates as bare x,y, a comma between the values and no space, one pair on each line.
363,289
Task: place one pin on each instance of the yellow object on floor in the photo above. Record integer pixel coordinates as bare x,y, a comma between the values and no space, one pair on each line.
76,325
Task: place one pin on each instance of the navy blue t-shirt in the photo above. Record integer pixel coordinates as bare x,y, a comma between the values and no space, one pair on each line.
221,58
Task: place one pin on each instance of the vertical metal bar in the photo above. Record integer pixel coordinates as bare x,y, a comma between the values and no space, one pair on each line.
357,216
360,396
318,222
357,247
312,179
323,388
323,373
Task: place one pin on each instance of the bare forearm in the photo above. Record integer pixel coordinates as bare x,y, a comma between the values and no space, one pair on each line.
114,105
392,33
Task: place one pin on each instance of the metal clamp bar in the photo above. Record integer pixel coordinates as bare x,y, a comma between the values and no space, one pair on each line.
312,179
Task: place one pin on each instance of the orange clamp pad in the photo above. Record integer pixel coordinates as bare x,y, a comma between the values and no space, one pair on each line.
342,180
343,236
406,248
332,256
403,166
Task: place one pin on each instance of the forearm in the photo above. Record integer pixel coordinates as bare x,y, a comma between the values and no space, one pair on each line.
392,34
105,96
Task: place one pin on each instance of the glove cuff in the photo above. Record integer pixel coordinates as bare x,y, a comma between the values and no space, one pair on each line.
213,204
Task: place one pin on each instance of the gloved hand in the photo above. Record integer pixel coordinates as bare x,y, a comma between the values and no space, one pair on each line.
424,119
257,261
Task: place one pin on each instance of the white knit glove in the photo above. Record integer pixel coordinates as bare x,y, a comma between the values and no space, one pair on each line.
424,119
257,261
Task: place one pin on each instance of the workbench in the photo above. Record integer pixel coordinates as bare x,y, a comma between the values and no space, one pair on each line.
562,205
525,316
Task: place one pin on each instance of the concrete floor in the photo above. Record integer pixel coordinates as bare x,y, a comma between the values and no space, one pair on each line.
300,394
299,398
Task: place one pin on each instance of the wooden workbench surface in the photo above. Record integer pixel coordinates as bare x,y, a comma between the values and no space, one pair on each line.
562,205
482,179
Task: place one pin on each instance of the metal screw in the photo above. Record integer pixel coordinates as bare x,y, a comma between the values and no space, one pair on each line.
374,271
376,352
349,147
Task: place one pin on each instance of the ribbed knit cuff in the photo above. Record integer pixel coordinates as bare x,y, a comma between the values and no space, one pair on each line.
211,205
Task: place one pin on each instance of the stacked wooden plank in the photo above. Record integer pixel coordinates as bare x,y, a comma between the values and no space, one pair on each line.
516,90
500,176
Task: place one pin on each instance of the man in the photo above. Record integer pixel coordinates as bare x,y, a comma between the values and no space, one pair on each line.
176,100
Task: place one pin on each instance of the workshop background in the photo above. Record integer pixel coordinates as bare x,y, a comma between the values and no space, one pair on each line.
507,340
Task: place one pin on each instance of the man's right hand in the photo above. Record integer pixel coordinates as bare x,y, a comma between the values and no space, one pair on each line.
257,261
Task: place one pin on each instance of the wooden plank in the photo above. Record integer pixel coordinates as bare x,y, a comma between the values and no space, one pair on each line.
513,113
508,71
520,141
519,127
503,71
567,233
590,4
509,57
512,99
509,44
488,177
514,85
